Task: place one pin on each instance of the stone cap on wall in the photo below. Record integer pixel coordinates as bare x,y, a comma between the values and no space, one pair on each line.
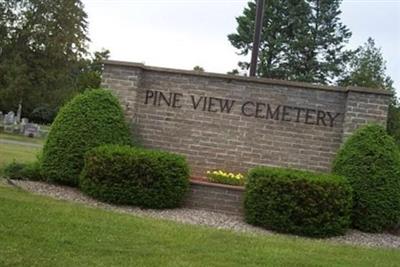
249,79
223,186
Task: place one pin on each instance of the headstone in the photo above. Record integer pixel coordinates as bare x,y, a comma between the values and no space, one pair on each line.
31,130
24,121
9,118
16,128
19,111
1,120
8,128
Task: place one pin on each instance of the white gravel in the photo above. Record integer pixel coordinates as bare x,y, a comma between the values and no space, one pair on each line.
197,216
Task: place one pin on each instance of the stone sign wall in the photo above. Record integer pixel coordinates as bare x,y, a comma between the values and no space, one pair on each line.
234,123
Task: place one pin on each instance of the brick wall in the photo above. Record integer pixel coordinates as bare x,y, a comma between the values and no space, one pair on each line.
235,123
215,197
362,108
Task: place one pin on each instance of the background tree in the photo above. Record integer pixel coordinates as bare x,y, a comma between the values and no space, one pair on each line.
367,68
198,68
44,55
92,68
274,38
233,72
322,55
301,40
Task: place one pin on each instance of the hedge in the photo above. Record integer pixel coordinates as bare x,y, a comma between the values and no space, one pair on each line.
134,176
87,121
298,202
371,162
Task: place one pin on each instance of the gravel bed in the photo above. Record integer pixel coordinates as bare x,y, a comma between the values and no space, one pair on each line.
197,216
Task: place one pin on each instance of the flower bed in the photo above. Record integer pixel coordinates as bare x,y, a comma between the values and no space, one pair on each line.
229,178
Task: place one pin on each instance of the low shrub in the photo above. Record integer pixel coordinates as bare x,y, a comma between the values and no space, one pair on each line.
89,120
23,171
13,170
298,202
221,177
371,162
127,175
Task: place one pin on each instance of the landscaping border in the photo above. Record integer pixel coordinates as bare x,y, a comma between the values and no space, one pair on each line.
222,198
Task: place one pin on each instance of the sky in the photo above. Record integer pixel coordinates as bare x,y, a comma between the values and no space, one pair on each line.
185,33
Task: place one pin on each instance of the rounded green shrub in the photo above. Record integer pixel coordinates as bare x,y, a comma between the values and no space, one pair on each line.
127,175
371,162
87,121
298,202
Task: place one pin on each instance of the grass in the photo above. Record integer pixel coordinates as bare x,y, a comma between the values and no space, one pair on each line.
39,231
19,153
16,152
21,138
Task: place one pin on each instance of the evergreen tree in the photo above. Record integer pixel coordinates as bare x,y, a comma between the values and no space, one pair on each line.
367,68
91,70
273,46
198,68
324,54
301,40
44,54
234,72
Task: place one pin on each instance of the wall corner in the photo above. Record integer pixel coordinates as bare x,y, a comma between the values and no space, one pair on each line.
362,108
125,83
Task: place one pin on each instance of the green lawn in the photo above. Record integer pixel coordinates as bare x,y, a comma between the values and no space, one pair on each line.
39,231
21,138
19,153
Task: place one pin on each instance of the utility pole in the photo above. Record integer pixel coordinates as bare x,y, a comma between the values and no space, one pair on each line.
257,36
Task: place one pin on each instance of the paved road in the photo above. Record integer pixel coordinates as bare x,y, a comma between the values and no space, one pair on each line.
13,142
